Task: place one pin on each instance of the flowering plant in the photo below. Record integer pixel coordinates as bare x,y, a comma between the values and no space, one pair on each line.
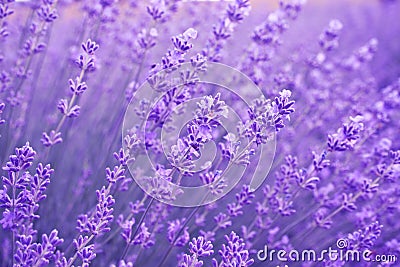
244,124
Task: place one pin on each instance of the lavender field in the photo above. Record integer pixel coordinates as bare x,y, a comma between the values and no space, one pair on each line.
199,133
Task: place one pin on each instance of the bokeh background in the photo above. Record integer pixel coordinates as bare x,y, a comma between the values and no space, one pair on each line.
325,95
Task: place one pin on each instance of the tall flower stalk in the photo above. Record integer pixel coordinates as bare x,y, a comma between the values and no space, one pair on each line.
68,108
214,162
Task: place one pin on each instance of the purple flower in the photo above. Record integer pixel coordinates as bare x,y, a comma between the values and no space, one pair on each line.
21,208
329,39
347,136
5,81
2,106
115,175
143,238
200,247
126,226
181,42
77,87
320,162
146,39
173,57
348,202
5,11
188,261
47,13
331,174
67,107
364,238
90,47
86,62
84,251
264,114
222,220
364,54
234,252
242,199
175,236
156,11
20,161
37,254
52,139
98,223
215,182
234,14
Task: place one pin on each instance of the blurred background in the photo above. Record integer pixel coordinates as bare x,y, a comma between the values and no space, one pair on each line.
90,140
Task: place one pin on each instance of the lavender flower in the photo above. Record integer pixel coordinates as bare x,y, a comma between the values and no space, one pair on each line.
33,45
235,14
328,40
266,38
264,114
334,168
215,182
2,105
67,107
362,55
348,201
143,237
198,248
207,117
18,203
233,253
52,139
364,238
346,137
22,205
243,198
97,222
176,56
174,229
5,11
37,254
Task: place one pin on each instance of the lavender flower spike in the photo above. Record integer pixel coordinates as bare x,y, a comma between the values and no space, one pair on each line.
67,107
199,247
233,252
2,105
